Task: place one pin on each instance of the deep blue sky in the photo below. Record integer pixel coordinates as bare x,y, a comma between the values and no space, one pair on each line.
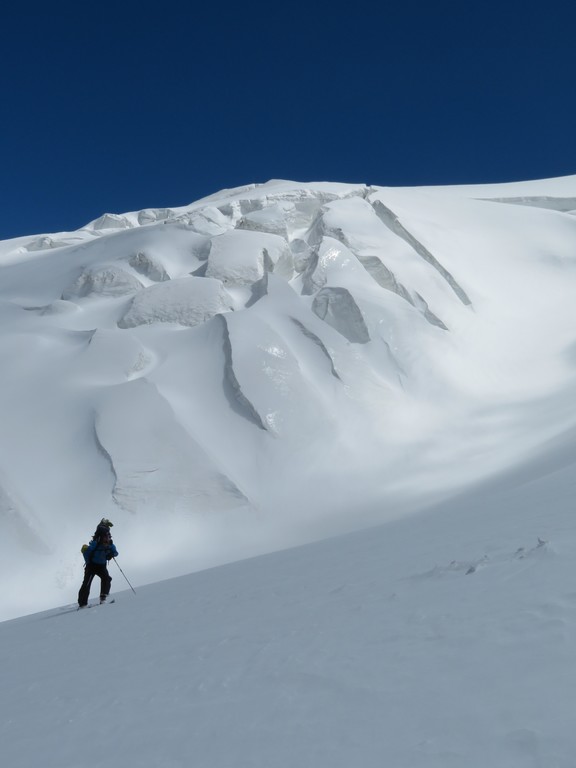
121,106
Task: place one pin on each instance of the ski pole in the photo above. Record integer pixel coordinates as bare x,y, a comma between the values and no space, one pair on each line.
123,574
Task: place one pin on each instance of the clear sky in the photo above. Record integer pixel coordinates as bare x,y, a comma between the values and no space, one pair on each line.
113,107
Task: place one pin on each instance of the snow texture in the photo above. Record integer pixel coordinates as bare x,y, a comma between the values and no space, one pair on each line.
445,639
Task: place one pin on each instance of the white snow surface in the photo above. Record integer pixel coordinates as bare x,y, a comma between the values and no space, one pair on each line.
385,375
441,640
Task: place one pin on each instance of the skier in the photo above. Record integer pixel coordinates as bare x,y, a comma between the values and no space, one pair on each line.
96,555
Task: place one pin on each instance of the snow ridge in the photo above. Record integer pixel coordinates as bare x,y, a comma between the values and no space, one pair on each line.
392,221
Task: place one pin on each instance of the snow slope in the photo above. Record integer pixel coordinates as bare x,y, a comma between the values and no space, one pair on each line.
272,365
444,639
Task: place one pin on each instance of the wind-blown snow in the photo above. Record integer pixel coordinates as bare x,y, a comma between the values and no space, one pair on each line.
272,365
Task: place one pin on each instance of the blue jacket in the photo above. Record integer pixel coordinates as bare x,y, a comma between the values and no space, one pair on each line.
99,554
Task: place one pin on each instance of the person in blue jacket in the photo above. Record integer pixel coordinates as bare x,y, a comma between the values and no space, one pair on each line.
96,556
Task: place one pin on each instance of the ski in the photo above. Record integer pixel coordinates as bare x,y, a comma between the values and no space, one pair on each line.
96,605
104,602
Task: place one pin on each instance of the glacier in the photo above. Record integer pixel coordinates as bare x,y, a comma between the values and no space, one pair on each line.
273,365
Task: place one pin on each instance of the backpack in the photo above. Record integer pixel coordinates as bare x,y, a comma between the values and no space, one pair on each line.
103,528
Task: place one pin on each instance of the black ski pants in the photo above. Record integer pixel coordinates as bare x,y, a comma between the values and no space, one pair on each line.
91,570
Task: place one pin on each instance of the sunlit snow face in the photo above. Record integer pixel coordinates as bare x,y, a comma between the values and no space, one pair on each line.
330,255
273,350
278,369
273,420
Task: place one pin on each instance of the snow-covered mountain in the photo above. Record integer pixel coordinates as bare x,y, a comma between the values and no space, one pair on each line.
272,365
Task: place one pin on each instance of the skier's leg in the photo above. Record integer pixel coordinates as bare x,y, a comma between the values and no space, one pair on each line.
84,592
105,582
